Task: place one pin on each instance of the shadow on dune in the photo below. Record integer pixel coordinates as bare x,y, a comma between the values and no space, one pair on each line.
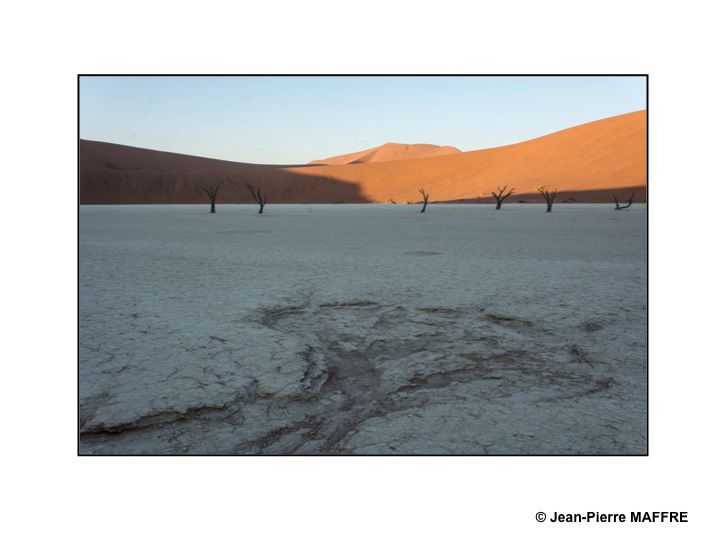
570,196
118,174
602,153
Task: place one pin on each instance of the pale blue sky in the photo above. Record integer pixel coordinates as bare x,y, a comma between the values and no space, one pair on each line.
289,120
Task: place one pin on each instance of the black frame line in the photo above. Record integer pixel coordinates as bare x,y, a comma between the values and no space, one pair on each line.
647,250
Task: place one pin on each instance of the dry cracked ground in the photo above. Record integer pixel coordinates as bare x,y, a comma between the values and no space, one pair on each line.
323,363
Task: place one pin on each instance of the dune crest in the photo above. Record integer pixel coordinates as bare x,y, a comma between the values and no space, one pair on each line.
388,152
586,163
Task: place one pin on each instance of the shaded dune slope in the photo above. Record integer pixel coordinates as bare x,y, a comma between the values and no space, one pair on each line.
587,163
118,174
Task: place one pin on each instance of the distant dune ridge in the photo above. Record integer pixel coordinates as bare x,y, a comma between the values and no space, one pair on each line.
586,163
388,152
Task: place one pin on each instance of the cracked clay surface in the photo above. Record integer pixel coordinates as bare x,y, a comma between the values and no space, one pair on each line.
355,329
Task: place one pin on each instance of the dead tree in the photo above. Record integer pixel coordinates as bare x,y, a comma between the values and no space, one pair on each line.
259,196
425,197
212,192
628,204
500,196
548,195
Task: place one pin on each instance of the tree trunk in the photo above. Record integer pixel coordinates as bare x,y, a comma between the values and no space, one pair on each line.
498,204
261,208
549,207
424,206
212,207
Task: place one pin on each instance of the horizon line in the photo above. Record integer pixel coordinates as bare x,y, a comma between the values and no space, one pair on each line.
369,148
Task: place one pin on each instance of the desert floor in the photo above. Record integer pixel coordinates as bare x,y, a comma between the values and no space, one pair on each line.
334,329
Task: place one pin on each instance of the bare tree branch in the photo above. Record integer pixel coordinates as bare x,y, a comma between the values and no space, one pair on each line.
618,206
425,197
211,192
258,195
500,196
548,195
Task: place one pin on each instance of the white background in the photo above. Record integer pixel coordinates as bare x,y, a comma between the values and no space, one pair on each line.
49,492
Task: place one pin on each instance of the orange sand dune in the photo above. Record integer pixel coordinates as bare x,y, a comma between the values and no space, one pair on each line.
388,152
599,155
586,163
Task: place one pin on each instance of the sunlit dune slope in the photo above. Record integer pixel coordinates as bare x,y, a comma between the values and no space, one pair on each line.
590,161
601,155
